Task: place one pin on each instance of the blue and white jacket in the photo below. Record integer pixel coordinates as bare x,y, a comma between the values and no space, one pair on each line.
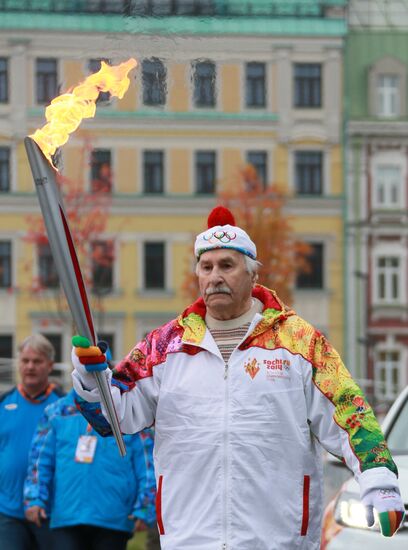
19,415
102,493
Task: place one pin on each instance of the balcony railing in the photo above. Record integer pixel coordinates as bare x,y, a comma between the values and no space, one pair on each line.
180,8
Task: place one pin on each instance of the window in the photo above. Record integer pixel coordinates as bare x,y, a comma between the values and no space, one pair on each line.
197,7
154,82
313,277
56,341
153,172
259,160
101,171
204,77
4,169
388,95
4,91
388,186
102,266
388,278
5,264
388,374
6,365
94,66
154,276
309,172
308,85
6,346
205,172
255,85
173,7
46,80
48,276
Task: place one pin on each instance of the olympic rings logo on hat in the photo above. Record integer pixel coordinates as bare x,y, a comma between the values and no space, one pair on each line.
224,237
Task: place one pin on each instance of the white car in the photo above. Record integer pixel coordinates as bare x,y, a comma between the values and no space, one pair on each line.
344,523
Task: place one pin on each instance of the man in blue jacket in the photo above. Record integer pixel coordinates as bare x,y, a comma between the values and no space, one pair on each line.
20,410
94,500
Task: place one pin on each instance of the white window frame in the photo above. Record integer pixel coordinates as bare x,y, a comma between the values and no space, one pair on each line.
396,160
388,95
390,250
387,392
387,184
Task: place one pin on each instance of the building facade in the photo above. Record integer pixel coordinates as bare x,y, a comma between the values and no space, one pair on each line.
218,85
377,184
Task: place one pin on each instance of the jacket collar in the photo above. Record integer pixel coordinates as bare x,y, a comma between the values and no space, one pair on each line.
192,320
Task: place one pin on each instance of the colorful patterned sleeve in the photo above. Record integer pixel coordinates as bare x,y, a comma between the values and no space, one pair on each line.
360,434
146,496
41,464
92,411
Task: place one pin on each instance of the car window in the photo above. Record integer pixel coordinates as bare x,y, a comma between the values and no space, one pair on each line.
398,435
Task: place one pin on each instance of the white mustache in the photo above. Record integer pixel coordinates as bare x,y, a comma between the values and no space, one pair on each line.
217,290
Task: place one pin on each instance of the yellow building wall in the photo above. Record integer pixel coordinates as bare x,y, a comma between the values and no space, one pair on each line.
231,163
230,89
179,87
179,168
128,103
336,171
72,73
25,182
76,167
272,86
281,166
126,171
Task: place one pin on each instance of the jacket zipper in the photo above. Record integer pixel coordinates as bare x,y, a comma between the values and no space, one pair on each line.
226,441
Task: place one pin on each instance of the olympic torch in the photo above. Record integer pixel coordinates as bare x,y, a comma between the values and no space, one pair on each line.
64,115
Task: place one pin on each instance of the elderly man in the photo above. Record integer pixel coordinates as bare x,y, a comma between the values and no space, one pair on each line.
20,410
242,391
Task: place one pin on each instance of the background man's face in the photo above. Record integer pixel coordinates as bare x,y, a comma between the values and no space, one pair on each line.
34,369
224,282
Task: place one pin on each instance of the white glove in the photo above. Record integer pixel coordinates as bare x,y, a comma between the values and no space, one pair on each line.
389,506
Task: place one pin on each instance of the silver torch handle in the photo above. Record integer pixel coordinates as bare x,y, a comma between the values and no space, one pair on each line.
67,265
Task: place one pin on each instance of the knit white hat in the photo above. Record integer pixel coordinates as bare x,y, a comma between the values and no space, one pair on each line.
223,233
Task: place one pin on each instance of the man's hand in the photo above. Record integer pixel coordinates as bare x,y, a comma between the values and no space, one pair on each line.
93,358
139,524
390,508
36,514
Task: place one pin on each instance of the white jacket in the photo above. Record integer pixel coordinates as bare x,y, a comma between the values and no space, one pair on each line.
237,457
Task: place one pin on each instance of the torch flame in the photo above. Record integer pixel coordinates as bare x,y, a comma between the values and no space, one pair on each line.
66,111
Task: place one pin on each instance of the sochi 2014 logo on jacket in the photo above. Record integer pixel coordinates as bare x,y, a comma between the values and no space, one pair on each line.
277,368
252,368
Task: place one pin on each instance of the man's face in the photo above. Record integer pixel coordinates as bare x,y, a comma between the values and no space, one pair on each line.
224,282
34,369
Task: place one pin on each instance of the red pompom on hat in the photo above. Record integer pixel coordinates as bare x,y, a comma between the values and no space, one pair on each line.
222,232
220,216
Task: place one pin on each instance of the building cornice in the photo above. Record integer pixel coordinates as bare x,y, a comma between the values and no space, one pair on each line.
374,128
